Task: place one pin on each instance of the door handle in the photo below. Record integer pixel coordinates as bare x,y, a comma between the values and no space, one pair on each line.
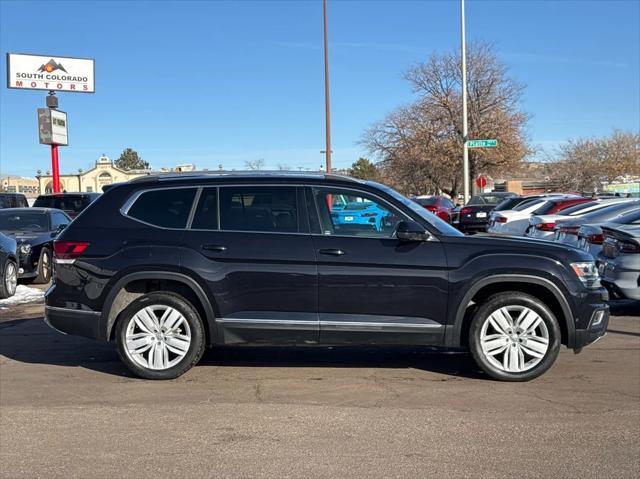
332,251
214,247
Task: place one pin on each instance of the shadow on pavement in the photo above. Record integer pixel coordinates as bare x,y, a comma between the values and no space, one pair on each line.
625,307
32,341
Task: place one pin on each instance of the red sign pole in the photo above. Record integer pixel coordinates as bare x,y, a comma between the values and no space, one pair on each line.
55,168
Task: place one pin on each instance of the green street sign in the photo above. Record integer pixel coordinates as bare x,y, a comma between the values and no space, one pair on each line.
482,143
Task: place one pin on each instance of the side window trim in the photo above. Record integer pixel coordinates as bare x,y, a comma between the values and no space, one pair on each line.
194,206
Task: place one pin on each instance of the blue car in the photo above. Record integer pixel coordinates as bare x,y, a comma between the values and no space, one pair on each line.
360,215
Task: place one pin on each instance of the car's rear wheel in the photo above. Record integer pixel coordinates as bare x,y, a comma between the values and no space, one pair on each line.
514,337
45,266
9,280
160,336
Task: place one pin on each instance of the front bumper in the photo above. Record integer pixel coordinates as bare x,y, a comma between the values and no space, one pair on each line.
592,318
73,321
28,266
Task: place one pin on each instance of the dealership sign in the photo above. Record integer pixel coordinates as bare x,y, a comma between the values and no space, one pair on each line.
52,127
43,72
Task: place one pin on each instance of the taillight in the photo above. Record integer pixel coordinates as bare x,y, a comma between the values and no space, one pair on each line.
595,239
545,226
501,219
628,247
431,208
465,211
66,252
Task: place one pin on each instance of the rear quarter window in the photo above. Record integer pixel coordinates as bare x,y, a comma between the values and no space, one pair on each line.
167,208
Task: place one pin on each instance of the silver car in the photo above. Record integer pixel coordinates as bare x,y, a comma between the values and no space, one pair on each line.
566,231
591,237
619,261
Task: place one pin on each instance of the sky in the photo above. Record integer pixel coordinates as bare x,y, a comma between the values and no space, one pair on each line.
224,82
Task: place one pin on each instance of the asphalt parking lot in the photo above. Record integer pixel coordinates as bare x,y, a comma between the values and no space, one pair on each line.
70,409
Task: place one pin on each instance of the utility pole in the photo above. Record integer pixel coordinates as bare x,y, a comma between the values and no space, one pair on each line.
327,106
465,148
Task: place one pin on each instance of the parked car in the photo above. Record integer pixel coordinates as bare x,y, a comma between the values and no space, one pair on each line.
549,227
440,206
13,200
619,260
516,221
566,232
165,265
8,266
474,216
71,203
591,237
34,229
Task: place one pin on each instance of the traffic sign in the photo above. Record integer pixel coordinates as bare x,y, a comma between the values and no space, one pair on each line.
482,143
481,181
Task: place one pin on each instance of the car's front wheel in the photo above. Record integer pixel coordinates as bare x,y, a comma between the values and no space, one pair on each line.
9,280
160,336
45,267
514,337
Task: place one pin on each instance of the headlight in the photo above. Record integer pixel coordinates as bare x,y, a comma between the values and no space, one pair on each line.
25,248
587,272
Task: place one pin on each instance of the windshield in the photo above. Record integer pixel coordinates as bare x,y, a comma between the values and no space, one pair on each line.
611,211
426,201
575,210
485,200
75,203
529,204
436,222
11,220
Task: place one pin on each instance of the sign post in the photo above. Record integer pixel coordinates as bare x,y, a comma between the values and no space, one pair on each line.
52,73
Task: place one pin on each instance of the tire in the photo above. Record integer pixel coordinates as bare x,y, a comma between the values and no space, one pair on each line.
169,353
9,279
45,267
514,337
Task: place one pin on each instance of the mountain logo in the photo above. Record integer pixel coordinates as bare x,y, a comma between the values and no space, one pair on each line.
51,66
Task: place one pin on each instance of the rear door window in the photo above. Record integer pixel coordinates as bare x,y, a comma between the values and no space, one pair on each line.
206,215
167,208
259,208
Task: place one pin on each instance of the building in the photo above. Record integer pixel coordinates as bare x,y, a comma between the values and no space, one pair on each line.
103,173
30,187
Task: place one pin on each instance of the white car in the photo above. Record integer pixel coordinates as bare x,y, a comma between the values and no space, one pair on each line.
516,221
507,222
546,226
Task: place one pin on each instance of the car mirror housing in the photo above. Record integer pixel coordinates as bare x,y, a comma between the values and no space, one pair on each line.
412,231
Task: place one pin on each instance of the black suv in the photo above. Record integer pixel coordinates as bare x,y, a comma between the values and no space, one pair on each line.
166,265
71,203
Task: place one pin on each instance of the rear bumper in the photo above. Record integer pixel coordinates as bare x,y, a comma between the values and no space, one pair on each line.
73,321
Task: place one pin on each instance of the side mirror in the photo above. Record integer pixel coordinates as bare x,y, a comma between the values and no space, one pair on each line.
412,231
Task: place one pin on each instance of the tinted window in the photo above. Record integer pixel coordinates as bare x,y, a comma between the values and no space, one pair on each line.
13,220
529,204
485,200
206,216
168,208
427,201
363,215
259,208
58,219
69,203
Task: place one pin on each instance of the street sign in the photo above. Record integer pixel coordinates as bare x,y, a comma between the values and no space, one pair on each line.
39,72
481,181
482,143
52,127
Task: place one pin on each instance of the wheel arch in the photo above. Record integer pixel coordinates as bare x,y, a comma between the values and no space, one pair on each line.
542,288
140,282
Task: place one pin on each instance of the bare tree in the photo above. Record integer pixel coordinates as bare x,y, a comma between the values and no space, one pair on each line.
421,144
584,165
283,167
254,164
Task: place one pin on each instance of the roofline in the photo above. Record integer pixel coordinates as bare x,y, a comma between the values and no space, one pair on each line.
251,174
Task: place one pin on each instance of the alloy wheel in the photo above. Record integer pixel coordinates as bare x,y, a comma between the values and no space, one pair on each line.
11,278
157,337
514,338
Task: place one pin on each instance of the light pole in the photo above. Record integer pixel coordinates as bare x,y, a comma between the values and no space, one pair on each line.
327,106
465,148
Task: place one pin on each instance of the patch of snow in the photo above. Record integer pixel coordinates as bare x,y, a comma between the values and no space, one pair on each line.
24,295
